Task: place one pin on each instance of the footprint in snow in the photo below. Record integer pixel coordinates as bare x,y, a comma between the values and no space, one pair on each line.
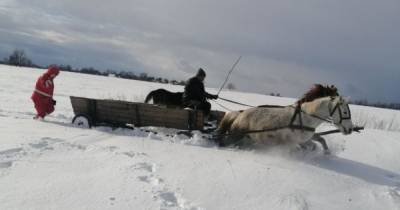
151,180
112,200
52,139
130,154
44,143
7,157
6,164
151,168
293,201
48,143
173,200
112,148
40,145
75,146
168,199
10,152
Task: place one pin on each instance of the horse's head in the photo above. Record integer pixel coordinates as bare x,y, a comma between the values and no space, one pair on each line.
340,113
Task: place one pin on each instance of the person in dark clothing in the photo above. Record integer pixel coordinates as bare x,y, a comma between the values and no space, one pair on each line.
195,96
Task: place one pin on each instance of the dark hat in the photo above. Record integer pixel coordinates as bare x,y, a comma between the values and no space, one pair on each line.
201,72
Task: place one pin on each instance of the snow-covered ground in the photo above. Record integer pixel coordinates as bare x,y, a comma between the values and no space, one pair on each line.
53,165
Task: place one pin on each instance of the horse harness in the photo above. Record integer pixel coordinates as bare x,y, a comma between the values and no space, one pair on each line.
298,112
337,107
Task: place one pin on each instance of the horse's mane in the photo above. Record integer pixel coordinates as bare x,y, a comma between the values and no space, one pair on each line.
318,91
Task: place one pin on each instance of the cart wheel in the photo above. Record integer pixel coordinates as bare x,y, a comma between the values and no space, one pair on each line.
82,121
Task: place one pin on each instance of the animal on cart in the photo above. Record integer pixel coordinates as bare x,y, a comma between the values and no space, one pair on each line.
174,100
295,124
165,97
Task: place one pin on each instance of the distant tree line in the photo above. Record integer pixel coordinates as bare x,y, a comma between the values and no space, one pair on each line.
275,94
395,106
121,74
19,58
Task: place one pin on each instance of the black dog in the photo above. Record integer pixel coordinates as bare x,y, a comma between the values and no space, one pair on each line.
165,97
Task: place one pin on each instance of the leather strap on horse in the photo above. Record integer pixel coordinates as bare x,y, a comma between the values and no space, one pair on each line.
294,127
297,111
355,129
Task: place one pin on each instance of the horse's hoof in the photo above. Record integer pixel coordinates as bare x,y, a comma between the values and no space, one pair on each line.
308,146
220,143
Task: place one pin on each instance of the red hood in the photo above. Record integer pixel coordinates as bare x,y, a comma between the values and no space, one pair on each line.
52,70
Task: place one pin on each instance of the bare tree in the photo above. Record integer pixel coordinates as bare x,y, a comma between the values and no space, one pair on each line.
18,58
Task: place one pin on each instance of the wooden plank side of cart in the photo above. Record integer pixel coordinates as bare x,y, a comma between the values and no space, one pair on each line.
217,115
138,114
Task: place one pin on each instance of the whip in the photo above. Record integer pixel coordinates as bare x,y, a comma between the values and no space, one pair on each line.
230,71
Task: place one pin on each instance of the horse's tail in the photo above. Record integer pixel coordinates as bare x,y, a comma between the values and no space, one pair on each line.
149,97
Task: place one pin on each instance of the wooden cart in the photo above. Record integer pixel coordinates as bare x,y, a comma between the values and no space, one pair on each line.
94,112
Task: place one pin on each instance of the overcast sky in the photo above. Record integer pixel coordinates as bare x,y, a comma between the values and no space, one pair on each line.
287,45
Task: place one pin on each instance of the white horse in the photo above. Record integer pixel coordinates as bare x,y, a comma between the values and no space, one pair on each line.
285,125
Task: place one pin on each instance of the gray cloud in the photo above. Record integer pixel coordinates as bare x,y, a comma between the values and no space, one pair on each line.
286,45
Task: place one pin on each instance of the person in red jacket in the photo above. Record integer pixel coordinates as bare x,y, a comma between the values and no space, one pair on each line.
42,96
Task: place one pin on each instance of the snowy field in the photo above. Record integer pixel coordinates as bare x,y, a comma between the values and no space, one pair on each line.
53,165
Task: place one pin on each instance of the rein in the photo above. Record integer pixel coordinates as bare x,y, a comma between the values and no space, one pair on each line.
224,107
234,102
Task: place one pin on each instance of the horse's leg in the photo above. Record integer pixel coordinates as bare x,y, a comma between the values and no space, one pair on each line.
236,135
239,140
224,138
322,141
228,139
308,145
220,132
225,133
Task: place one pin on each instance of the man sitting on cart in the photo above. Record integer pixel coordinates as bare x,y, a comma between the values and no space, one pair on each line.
195,96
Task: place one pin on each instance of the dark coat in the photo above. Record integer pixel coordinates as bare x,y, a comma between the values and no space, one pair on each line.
194,91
